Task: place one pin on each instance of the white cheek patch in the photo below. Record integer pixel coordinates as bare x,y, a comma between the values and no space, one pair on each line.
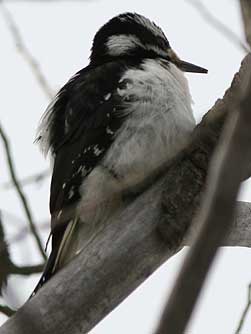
121,44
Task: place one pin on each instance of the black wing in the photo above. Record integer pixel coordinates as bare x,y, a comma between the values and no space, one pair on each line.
80,126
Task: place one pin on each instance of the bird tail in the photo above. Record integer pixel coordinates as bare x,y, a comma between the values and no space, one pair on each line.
63,252
47,273
57,256
75,238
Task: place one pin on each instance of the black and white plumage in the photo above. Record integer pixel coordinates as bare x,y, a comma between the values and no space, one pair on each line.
110,127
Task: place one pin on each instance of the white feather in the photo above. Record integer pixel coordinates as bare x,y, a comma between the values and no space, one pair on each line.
159,124
121,44
160,121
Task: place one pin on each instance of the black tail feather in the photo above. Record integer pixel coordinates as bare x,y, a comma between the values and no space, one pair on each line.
47,273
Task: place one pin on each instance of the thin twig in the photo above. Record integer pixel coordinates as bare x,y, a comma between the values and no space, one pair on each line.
17,222
21,234
218,25
22,48
26,270
215,215
6,310
245,311
35,178
20,192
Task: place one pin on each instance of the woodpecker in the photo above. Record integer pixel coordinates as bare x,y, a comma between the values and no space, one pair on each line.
110,126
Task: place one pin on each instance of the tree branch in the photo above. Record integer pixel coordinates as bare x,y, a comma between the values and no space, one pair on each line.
245,312
6,310
229,165
5,258
20,193
26,270
128,249
215,215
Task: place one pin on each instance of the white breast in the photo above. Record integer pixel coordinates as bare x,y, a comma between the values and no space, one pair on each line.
160,121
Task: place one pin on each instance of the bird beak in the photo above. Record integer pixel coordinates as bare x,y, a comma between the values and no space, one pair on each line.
188,67
184,65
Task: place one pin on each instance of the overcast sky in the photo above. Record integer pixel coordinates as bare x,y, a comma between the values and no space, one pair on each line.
59,35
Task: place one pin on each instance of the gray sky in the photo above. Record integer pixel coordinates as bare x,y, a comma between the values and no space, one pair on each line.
59,35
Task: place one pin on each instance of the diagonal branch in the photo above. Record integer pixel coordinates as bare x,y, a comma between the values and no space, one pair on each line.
245,312
20,193
215,216
26,270
229,166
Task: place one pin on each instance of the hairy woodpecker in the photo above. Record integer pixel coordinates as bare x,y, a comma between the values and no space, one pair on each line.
111,125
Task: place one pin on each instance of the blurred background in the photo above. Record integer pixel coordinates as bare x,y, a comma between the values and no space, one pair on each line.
58,36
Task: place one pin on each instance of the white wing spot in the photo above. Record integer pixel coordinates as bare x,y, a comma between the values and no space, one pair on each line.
80,169
109,131
71,193
84,171
59,214
97,151
63,186
107,96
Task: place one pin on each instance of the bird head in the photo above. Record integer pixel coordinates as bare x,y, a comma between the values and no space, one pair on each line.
131,35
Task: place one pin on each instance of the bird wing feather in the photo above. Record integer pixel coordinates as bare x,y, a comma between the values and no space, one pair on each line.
75,131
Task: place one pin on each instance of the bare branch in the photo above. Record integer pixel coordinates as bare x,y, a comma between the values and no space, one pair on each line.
215,216
31,179
28,57
20,193
5,257
245,312
217,24
26,270
128,249
6,310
